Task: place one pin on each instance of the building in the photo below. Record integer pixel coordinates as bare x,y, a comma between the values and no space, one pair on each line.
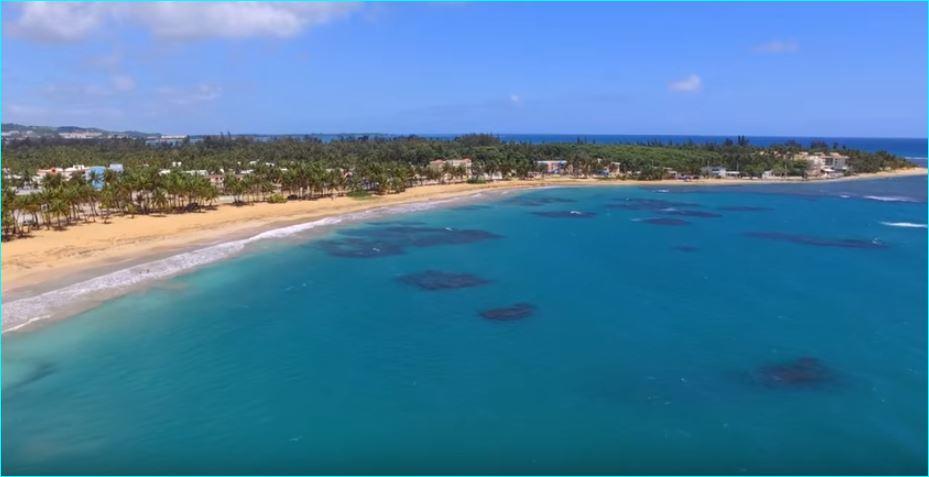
714,171
80,135
94,176
831,164
75,170
439,165
552,167
836,161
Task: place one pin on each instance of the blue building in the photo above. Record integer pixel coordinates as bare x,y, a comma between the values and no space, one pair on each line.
94,174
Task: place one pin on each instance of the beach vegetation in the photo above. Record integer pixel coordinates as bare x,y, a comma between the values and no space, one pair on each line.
194,175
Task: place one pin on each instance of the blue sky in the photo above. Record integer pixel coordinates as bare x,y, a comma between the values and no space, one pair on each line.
607,68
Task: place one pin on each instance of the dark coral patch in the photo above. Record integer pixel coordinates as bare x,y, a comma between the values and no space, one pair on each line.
538,201
566,214
744,208
433,280
691,213
40,371
509,313
804,372
471,207
359,248
372,242
817,241
649,204
685,248
666,221
417,236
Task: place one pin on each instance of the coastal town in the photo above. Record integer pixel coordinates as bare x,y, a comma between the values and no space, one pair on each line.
164,178
831,165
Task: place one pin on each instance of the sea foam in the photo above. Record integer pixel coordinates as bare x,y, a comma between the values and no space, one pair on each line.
909,225
890,198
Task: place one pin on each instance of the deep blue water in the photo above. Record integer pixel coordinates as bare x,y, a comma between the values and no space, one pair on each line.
758,329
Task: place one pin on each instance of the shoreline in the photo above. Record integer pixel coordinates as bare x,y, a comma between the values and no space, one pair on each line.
87,264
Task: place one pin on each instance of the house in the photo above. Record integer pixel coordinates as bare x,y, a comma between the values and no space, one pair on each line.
832,164
714,171
836,161
552,167
439,165
75,170
464,163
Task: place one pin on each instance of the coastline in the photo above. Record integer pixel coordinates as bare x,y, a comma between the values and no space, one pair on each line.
89,263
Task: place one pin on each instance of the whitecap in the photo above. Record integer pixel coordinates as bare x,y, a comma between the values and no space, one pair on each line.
909,225
890,198
24,311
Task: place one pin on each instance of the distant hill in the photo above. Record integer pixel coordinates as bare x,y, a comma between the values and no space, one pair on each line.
74,132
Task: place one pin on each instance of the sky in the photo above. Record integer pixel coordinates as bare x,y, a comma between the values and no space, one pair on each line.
781,69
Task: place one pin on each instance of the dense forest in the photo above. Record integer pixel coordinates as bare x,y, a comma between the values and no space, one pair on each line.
155,177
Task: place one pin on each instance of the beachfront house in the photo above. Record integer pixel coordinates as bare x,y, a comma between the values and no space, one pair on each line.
718,172
837,161
443,166
552,167
820,164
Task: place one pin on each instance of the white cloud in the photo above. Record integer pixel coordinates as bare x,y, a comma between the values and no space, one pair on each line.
690,84
63,22
515,99
203,92
184,21
123,83
777,47
57,22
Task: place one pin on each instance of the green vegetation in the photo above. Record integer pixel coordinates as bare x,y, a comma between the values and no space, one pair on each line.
177,178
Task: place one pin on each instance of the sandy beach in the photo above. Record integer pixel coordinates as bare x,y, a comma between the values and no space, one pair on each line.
51,259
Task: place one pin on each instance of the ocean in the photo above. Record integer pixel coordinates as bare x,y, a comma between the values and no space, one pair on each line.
757,329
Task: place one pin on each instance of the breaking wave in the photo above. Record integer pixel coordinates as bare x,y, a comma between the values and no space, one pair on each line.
909,225
24,311
890,198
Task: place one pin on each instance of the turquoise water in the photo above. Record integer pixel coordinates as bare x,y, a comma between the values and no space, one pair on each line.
777,330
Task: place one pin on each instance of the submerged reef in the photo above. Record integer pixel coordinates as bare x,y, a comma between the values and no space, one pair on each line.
817,241
509,313
432,280
379,241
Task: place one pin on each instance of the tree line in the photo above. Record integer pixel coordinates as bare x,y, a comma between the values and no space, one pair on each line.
294,168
